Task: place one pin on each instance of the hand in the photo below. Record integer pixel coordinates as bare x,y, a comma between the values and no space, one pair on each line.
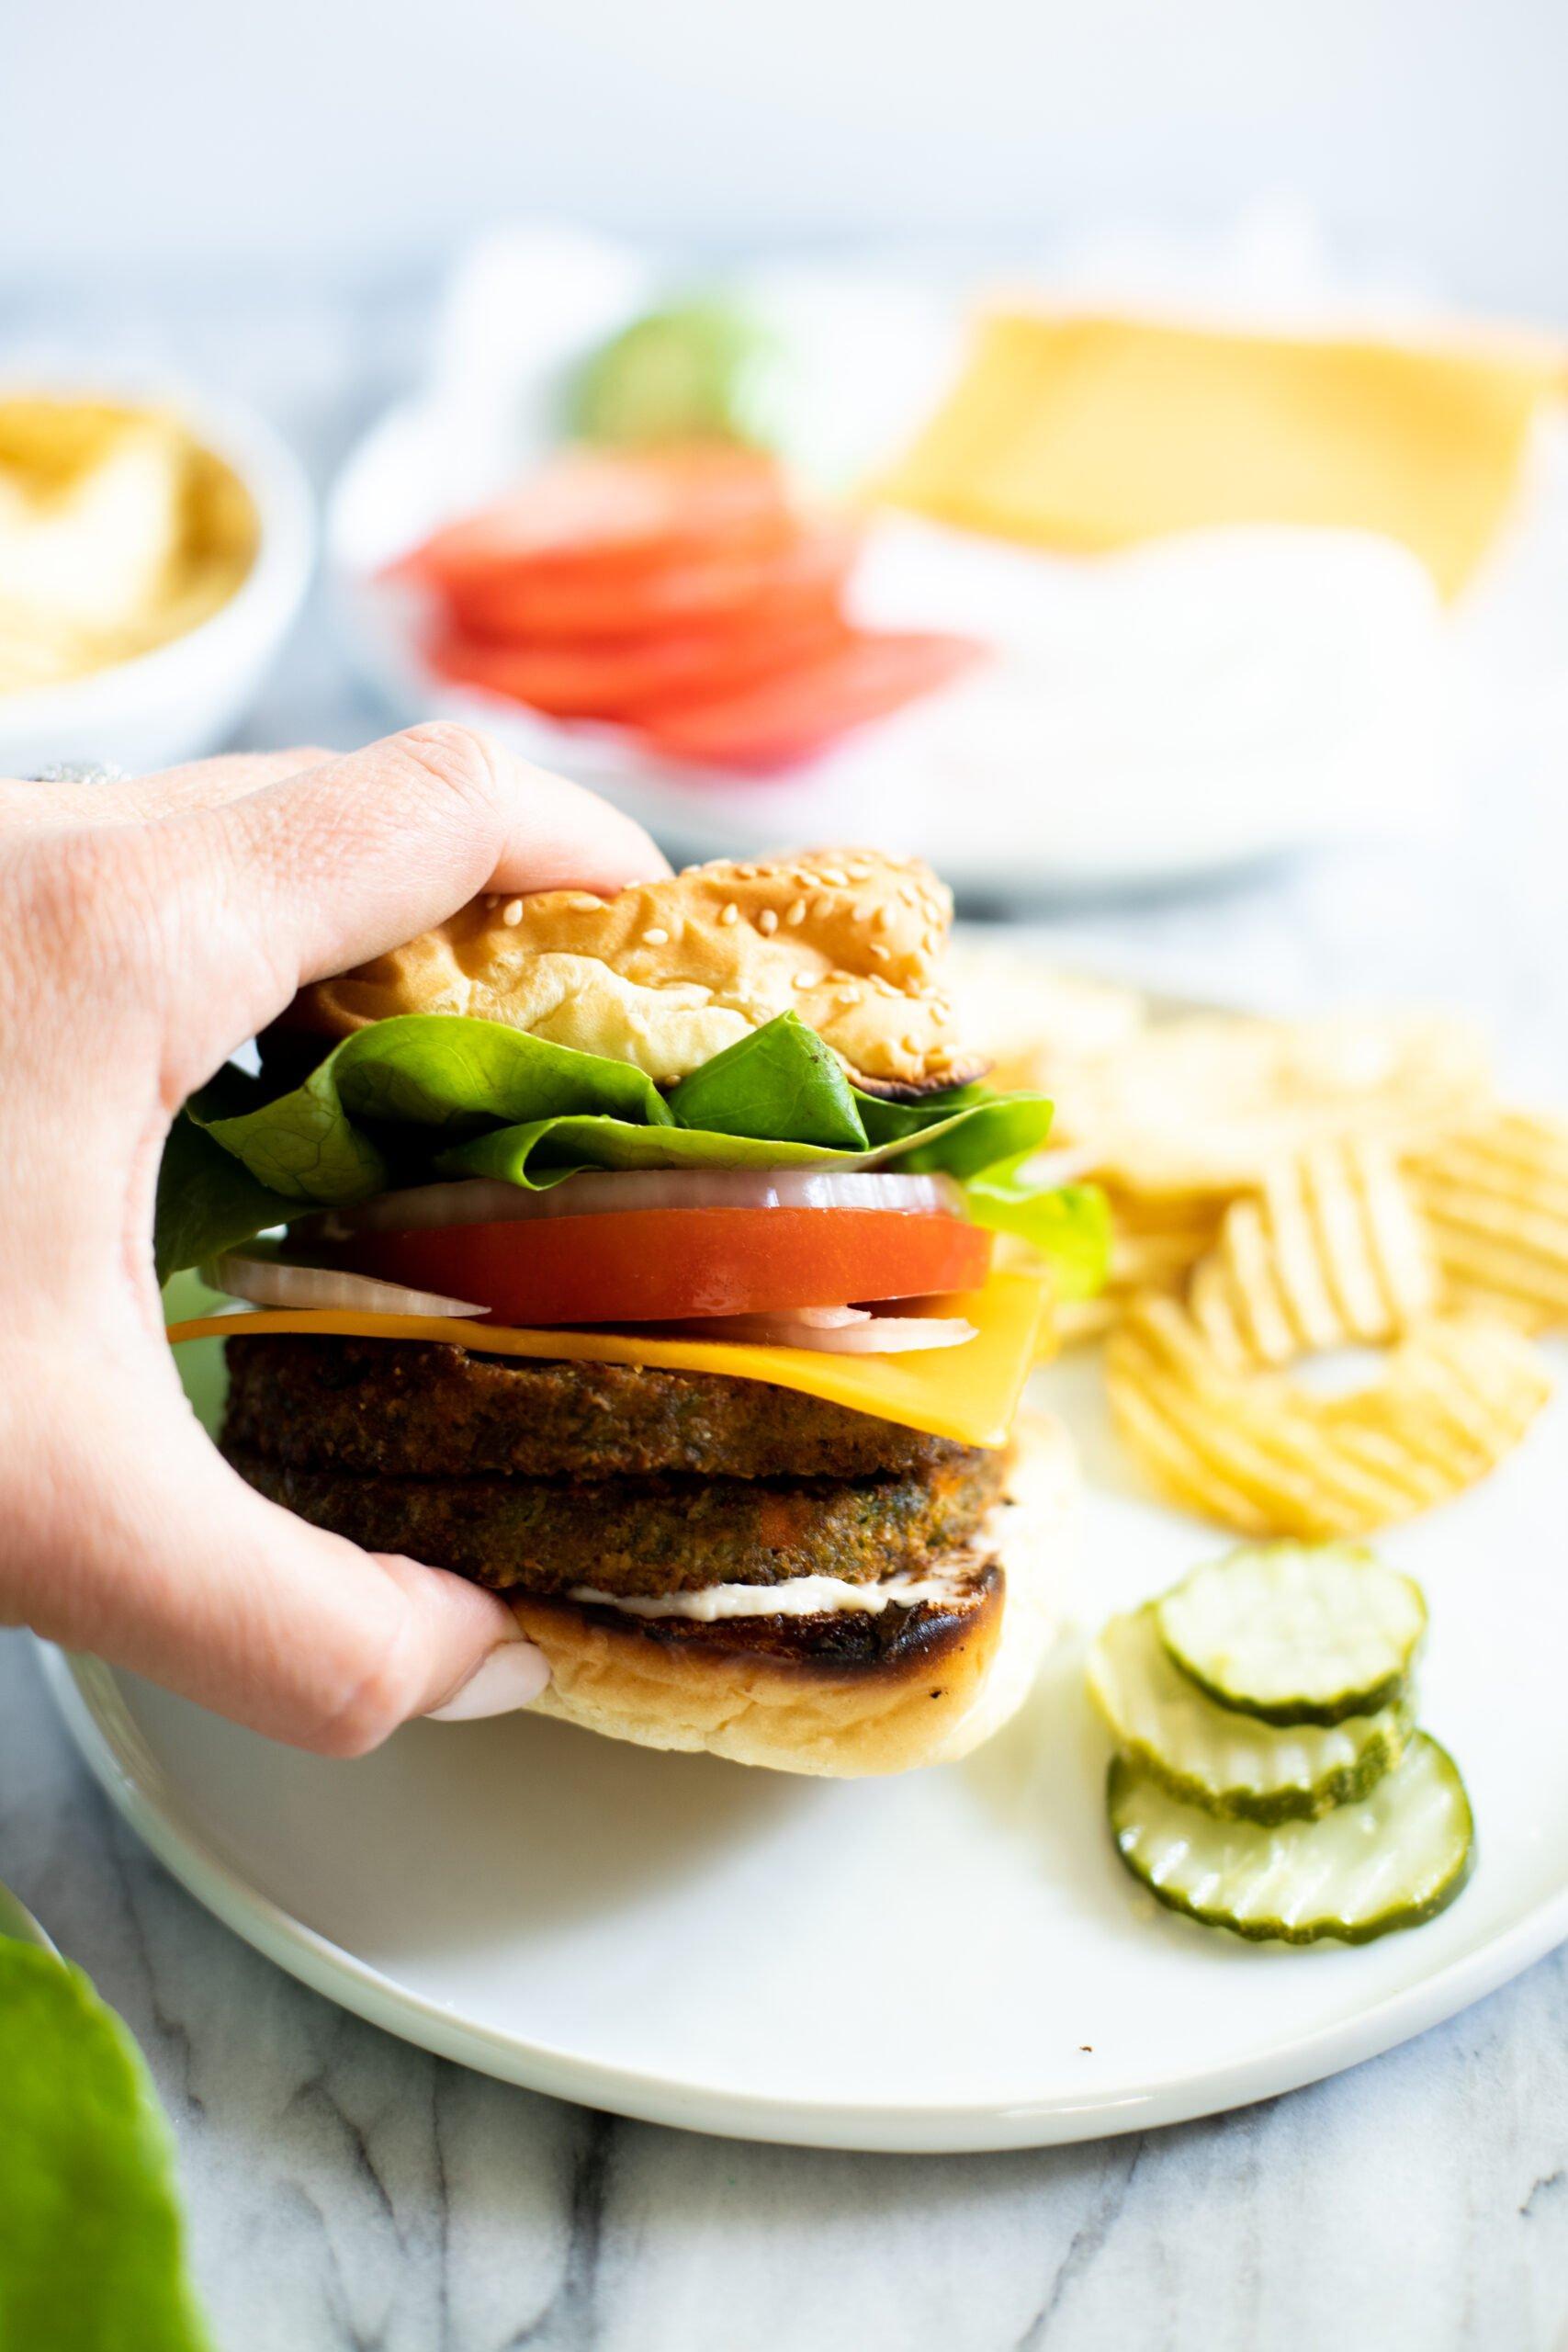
146,930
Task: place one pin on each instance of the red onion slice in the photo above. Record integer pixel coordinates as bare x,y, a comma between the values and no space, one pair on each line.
274,1282
481,1200
861,1334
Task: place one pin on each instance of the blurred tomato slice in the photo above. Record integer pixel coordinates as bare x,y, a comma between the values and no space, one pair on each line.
610,597
603,678
588,504
788,717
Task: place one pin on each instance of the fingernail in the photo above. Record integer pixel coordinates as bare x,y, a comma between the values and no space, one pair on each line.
511,1676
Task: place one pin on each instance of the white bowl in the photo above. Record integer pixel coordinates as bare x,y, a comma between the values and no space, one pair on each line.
185,698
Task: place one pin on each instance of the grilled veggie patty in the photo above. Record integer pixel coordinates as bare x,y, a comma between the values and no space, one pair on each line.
643,1535
427,1410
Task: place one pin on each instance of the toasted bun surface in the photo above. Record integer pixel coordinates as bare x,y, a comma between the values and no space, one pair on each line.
667,973
843,1696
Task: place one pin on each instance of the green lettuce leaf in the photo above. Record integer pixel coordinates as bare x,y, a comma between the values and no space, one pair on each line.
1069,1227
548,1150
91,2238
319,1143
439,1094
207,1199
779,1084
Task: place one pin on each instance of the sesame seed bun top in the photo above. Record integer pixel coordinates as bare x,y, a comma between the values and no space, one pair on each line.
665,975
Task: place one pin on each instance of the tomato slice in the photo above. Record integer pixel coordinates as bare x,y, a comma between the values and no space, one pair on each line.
605,677
788,717
601,598
667,1265
591,504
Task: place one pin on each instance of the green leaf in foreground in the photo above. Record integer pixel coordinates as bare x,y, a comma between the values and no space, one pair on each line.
91,2239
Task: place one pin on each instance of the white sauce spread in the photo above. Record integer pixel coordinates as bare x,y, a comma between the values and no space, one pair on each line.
948,1579
800,1597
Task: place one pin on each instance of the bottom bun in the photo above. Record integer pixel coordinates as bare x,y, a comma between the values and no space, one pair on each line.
843,1693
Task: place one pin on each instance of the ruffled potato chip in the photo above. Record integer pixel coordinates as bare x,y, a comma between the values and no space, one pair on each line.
1208,1105
1033,1021
1262,1454
1495,1197
1330,1252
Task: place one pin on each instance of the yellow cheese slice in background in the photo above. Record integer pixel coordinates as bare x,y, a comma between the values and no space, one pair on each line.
969,1392
1085,434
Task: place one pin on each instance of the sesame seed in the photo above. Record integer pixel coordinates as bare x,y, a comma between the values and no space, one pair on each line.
835,875
884,917
731,913
911,1045
586,903
796,913
804,980
848,996
882,954
513,912
655,937
767,920
941,1014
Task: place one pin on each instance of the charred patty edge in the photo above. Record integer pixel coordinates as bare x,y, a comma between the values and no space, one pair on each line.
901,1640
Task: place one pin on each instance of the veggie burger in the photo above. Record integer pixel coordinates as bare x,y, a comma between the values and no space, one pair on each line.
634,1257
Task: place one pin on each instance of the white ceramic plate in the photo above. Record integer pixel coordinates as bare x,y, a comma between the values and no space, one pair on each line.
950,1960
1133,705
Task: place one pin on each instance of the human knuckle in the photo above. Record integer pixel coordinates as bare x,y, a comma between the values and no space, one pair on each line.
463,761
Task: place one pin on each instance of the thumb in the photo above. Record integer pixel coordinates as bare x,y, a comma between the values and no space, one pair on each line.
173,1566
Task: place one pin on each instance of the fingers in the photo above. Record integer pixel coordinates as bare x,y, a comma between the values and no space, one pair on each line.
209,783
331,866
179,1571
206,783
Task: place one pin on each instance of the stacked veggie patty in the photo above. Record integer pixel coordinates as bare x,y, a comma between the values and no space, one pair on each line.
549,1477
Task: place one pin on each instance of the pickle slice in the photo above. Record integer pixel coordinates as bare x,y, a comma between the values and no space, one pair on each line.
1232,1764
1387,1860
1296,1633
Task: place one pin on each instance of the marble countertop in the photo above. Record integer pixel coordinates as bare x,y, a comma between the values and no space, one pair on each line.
346,2192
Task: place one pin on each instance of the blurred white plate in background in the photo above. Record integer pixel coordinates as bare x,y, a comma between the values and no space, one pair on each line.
1209,700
